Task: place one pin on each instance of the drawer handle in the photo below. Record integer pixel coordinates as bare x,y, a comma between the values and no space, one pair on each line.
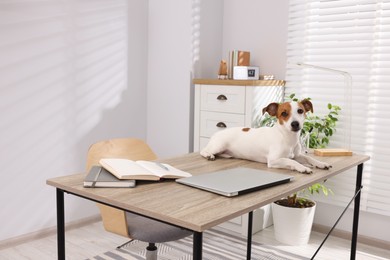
221,125
222,97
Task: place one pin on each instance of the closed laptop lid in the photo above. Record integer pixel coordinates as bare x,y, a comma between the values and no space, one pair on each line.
233,182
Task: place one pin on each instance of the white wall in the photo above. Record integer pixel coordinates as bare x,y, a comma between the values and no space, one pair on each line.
370,225
258,26
169,76
210,39
65,82
136,101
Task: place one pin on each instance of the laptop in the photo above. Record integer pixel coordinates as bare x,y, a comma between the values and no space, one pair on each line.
236,181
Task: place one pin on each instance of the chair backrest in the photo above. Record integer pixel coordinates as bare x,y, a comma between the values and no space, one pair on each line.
114,220
126,148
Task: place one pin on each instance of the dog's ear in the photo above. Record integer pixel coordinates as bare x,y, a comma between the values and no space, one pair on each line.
307,105
272,109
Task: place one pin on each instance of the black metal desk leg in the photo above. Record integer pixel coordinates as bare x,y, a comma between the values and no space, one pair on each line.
197,245
249,238
60,225
356,212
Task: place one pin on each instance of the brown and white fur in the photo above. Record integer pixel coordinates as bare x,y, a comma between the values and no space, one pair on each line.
278,146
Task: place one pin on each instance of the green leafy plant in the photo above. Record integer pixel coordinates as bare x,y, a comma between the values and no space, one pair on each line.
301,200
318,131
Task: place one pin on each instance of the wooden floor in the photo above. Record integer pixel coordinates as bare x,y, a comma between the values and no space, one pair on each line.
90,240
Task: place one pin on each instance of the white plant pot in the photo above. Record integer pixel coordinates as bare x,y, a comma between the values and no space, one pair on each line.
292,226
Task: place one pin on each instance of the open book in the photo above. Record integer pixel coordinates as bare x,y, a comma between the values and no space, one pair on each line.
141,170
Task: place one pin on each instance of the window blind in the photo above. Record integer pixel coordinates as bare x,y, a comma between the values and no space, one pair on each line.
351,36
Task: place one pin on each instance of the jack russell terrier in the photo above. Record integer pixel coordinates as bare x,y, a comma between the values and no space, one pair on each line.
278,146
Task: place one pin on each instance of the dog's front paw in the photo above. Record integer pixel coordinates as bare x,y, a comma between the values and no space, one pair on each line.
304,169
211,158
208,156
323,165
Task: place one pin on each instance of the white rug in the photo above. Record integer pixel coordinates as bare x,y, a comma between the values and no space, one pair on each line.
217,245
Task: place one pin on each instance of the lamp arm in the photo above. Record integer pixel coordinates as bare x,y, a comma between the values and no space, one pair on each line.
347,97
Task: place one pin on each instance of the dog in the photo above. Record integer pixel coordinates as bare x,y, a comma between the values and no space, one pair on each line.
278,146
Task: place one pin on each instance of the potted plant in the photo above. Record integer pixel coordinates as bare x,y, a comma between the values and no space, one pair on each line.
293,216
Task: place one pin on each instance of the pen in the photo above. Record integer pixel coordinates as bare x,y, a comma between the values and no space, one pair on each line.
162,166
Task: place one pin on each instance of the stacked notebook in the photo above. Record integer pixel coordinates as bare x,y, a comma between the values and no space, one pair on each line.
100,177
114,172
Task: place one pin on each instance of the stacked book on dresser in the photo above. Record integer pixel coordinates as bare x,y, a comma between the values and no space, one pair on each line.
237,58
114,172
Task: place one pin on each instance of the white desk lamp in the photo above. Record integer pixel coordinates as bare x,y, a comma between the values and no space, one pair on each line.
347,97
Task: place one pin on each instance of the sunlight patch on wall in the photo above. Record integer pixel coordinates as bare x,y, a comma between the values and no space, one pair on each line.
63,64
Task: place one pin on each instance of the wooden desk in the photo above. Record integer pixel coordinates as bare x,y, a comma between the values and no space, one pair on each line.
195,209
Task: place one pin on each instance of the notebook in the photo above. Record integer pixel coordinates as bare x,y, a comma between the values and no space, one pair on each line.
236,181
100,177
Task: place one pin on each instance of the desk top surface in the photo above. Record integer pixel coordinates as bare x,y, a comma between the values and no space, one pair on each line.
193,208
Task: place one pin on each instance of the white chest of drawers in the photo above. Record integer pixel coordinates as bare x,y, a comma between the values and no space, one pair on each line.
220,104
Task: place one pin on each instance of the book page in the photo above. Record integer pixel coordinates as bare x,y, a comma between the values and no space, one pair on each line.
124,168
163,170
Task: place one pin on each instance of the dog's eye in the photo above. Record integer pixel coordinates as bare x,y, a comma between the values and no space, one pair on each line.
284,114
300,111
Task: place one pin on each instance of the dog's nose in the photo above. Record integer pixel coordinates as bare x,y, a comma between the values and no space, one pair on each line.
295,126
